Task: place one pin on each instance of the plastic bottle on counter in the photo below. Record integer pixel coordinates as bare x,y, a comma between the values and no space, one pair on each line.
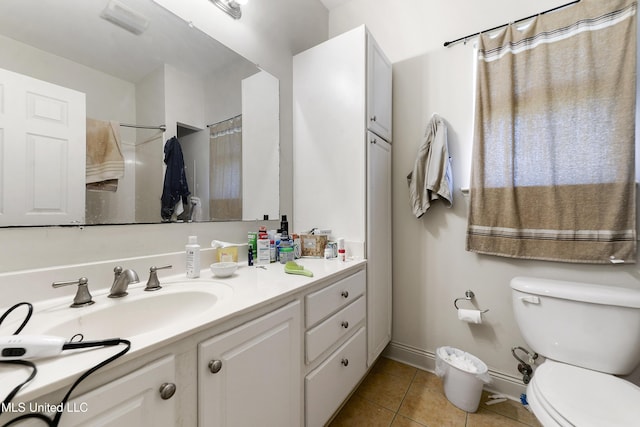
342,253
285,242
328,252
250,256
273,243
286,254
297,250
284,225
252,237
193,258
263,255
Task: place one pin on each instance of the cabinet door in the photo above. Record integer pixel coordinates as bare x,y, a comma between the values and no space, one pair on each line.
131,401
330,383
379,86
42,152
378,246
250,376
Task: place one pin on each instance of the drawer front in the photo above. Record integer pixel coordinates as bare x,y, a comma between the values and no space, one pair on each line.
322,303
330,384
327,333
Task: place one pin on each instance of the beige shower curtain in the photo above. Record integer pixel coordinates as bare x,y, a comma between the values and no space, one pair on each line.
226,170
553,162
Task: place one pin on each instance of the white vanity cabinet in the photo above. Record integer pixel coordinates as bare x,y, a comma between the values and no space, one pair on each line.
335,346
250,376
342,159
144,397
290,359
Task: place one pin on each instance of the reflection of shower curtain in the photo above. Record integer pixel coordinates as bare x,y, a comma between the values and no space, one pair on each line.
226,169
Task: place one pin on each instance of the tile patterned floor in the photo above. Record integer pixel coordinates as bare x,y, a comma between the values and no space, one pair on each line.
397,395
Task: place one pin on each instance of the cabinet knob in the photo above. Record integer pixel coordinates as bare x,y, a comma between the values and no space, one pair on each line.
345,362
345,294
167,390
345,324
373,118
374,141
215,366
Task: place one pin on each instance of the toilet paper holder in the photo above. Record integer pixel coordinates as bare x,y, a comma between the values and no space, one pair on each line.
468,295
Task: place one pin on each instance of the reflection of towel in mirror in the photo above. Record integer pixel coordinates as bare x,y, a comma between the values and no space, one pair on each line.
105,163
175,187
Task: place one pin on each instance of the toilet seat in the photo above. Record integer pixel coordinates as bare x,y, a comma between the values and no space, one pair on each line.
566,395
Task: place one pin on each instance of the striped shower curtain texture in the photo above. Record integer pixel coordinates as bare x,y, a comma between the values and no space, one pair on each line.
553,170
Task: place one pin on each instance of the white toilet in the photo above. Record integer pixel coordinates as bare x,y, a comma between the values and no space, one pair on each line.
587,334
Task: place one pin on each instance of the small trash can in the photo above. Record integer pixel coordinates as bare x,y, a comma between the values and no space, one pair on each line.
463,375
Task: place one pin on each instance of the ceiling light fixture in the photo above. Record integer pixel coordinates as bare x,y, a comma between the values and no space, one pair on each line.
231,7
125,17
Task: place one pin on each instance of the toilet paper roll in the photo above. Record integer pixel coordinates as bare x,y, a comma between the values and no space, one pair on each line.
470,316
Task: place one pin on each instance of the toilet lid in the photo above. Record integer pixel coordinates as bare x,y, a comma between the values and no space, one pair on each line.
582,397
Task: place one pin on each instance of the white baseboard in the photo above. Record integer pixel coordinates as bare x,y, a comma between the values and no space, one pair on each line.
501,383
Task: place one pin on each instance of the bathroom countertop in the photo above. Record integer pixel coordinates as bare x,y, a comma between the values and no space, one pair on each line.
252,288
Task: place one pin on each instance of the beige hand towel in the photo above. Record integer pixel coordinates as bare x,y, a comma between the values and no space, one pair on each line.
104,158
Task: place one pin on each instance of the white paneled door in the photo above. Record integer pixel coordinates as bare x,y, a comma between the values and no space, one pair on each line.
42,152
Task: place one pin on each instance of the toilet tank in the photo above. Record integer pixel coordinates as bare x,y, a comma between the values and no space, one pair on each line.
592,326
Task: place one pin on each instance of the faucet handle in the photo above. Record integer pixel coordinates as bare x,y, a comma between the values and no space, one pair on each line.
83,297
153,284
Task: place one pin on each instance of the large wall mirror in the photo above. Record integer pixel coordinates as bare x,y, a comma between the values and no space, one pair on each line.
77,75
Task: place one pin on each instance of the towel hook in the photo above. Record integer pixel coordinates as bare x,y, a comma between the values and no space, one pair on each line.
468,295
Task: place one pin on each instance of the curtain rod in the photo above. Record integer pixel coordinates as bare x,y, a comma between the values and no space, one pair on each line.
447,44
161,127
225,120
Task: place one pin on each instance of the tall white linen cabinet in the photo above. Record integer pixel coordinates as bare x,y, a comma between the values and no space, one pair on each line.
342,160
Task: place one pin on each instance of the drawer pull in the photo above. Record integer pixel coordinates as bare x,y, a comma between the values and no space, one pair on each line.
215,366
345,294
345,362
167,390
345,324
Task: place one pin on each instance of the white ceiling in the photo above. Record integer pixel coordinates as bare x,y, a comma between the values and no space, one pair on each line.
74,30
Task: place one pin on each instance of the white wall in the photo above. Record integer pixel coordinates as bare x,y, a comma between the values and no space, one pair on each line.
431,267
260,154
184,100
150,109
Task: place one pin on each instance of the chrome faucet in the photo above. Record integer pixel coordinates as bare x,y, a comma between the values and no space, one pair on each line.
121,281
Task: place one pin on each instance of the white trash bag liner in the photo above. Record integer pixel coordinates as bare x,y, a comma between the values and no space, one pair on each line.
463,376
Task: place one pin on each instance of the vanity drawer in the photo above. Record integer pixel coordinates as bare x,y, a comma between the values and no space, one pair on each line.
329,385
322,303
320,338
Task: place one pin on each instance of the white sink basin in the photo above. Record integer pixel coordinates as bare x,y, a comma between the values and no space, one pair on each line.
169,309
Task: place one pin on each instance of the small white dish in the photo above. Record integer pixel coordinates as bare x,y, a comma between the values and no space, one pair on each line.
223,269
